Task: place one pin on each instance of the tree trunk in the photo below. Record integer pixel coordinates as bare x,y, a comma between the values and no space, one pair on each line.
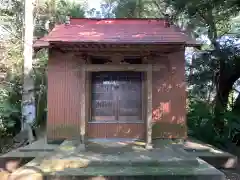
221,101
28,101
224,87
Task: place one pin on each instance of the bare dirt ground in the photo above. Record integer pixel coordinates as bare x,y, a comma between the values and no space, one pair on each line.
233,174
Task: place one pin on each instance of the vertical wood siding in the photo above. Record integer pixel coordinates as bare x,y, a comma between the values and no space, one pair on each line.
64,96
64,101
115,130
169,98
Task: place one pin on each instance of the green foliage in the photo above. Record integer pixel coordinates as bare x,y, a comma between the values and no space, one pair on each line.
12,17
126,9
202,88
200,121
5,111
10,110
216,64
107,8
51,12
10,88
12,58
135,8
213,17
40,80
67,8
235,28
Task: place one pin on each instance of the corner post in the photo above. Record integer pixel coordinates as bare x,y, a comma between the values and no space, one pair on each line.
83,105
149,107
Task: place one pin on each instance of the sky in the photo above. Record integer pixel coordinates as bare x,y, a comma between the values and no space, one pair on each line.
94,4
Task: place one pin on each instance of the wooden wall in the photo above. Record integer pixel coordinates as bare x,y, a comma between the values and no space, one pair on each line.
65,90
169,98
116,130
64,96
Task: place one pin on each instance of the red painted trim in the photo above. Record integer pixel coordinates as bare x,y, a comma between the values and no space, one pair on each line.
116,43
142,19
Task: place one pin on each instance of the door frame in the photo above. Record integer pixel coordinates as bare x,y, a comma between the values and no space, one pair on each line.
147,93
140,120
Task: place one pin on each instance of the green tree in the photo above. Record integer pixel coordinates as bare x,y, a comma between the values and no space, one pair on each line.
107,8
214,17
215,68
51,12
128,8
46,13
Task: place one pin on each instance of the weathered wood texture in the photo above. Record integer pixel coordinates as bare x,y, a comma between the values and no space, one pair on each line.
116,109
149,106
66,91
123,67
65,87
116,130
169,98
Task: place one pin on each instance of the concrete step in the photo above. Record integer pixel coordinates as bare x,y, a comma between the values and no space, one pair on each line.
210,154
203,172
109,162
96,155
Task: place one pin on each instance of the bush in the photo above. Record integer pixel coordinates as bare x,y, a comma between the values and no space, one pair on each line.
199,121
201,125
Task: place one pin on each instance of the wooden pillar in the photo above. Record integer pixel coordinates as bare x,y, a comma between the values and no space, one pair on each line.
83,105
88,102
149,108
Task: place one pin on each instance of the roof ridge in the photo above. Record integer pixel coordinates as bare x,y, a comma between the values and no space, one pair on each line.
99,19
100,32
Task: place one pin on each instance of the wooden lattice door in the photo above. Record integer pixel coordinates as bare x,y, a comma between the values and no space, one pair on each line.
116,102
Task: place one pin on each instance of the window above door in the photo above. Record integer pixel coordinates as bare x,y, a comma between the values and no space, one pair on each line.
110,60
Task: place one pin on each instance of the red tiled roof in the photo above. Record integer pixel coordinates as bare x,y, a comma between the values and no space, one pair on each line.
40,43
117,31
